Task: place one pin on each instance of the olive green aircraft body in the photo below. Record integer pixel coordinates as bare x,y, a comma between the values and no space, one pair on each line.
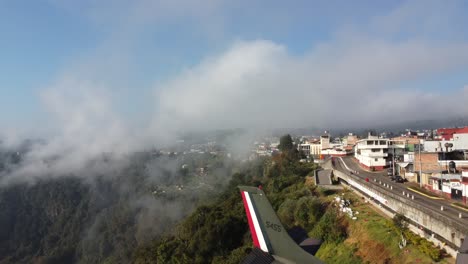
268,234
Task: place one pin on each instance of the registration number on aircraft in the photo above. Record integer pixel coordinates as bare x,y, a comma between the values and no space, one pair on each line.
275,227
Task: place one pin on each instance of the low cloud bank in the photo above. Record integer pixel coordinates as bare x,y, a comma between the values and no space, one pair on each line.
359,77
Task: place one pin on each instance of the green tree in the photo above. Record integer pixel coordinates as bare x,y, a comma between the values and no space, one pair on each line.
400,221
286,213
329,228
308,211
286,143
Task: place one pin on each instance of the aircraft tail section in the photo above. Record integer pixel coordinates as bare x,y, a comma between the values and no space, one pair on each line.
268,234
258,235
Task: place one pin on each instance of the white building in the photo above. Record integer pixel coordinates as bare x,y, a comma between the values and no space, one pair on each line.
459,142
325,141
314,149
335,152
350,140
372,152
304,147
408,157
322,147
464,185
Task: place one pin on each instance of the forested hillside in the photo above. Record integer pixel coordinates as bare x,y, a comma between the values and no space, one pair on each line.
103,218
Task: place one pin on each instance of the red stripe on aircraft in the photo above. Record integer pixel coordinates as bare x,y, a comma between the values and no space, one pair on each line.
249,218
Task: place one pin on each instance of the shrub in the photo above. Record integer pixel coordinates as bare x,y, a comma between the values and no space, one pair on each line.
425,246
329,228
286,213
308,211
401,222
429,249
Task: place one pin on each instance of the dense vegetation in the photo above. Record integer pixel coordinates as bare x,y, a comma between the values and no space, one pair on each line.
102,218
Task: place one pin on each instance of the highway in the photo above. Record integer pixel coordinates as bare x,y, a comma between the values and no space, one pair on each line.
398,188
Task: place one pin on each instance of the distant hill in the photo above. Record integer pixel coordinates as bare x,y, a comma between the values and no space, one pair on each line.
389,127
426,124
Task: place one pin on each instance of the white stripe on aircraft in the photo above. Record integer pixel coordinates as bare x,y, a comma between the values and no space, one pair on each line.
260,237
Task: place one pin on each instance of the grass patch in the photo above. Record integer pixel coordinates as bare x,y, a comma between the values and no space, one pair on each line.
338,253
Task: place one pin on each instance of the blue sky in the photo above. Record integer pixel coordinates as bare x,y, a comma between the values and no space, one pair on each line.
136,48
116,76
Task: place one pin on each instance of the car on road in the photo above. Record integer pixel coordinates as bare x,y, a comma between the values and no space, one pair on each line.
398,179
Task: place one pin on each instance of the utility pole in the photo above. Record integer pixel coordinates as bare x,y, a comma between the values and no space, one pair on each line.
420,165
447,146
393,158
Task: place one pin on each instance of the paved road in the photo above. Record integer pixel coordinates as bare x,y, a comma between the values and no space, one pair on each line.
324,177
398,188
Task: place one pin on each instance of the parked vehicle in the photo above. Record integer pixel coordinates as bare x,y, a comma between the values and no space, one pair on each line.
399,179
390,171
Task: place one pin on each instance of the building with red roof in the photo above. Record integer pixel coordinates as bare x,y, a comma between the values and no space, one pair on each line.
447,133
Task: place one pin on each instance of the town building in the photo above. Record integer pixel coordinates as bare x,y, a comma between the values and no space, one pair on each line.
411,143
350,140
442,172
325,141
304,147
448,133
313,148
405,168
458,141
450,185
322,147
464,185
403,155
335,152
373,152
426,165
